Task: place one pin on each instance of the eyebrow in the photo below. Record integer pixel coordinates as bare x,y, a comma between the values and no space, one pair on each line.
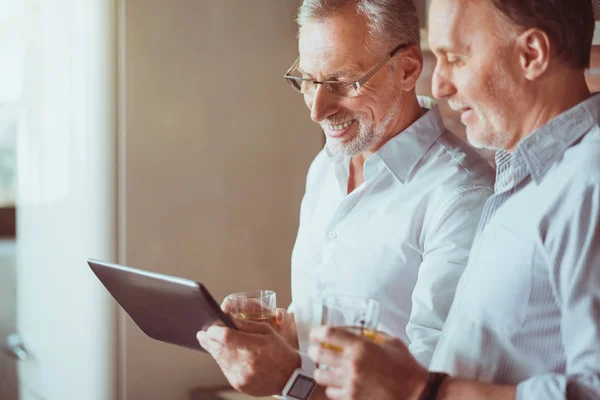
348,70
442,49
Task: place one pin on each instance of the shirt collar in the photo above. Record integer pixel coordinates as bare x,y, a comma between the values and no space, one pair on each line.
546,145
402,153
536,154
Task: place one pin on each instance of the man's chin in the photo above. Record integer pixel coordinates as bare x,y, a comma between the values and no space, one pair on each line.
338,147
481,140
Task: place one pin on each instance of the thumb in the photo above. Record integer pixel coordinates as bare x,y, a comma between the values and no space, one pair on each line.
337,337
225,305
392,342
281,316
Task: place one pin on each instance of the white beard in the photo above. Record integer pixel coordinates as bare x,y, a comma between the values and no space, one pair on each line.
489,139
369,135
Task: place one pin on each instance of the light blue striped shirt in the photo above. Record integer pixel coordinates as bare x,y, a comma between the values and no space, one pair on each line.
527,308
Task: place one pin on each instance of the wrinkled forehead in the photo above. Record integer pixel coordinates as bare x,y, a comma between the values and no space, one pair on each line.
464,24
332,43
443,24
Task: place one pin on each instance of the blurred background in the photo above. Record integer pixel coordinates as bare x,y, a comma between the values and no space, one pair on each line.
154,133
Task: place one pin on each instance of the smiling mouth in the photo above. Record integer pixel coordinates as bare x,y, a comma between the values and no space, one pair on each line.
338,130
339,127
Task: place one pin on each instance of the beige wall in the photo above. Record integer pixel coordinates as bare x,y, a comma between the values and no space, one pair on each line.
215,149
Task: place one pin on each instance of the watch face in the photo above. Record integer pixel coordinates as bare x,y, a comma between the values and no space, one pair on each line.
302,387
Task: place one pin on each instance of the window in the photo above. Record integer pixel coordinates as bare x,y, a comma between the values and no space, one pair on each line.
11,82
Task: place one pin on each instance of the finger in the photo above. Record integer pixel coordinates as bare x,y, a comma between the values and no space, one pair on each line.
202,339
218,333
213,348
335,393
321,355
337,337
226,305
280,316
393,342
237,338
328,377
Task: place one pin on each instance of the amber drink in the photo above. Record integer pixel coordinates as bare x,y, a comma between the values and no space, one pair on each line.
355,314
258,306
266,317
370,334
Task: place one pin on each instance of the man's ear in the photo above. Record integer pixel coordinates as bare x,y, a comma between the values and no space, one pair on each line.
535,51
409,66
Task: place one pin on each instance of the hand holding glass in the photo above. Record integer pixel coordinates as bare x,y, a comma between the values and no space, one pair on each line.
355,314
258,306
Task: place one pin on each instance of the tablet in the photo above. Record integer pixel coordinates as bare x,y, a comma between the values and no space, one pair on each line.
164,307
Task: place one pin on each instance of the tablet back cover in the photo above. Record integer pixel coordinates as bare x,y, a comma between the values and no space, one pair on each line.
165,308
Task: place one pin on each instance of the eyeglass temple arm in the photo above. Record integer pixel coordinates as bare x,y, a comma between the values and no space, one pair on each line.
365,78
293,67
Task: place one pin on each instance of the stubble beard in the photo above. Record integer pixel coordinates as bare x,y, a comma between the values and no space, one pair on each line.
486,137
369,136
490,132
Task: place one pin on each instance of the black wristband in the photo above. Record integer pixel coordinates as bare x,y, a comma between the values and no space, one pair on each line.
432,386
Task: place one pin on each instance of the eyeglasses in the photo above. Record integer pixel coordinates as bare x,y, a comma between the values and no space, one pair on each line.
337,88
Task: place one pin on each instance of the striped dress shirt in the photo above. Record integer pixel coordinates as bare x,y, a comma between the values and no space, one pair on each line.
527,308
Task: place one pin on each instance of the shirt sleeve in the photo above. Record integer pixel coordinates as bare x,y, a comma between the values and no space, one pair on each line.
446,248
307,364
573,248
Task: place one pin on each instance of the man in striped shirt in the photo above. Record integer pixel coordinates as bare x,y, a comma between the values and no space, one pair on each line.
525,322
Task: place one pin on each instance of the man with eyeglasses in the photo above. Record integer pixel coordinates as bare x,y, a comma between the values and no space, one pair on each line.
392,202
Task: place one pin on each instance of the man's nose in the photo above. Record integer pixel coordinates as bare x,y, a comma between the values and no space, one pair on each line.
441,85
322,104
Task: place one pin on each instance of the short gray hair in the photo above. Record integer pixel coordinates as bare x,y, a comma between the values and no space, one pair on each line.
390,22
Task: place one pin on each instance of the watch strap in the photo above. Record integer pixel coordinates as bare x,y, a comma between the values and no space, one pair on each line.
432,385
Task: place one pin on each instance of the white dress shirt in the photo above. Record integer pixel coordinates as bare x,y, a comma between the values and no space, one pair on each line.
527,309
402,237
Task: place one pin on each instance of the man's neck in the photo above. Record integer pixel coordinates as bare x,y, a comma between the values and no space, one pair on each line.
356,176
564,95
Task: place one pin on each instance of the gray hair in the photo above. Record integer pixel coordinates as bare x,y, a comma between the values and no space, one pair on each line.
390,22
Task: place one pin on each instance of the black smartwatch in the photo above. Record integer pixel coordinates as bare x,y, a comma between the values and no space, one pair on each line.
432,386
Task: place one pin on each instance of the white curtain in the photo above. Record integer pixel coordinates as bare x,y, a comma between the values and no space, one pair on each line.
66,199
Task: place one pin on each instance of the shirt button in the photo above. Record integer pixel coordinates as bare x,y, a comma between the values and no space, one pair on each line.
332,235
